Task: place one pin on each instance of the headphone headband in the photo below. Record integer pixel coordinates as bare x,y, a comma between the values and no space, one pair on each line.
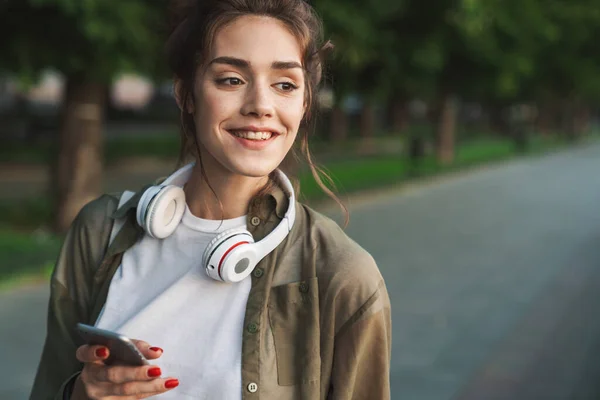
182,175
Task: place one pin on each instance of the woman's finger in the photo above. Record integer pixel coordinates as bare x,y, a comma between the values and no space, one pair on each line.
136,388
150,352
118,374
92,353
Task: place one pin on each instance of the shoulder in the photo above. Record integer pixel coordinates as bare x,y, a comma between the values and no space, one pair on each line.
97,212
347,273
85,241
89,233
337,252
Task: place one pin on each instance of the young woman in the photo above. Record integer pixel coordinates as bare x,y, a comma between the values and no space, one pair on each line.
235,289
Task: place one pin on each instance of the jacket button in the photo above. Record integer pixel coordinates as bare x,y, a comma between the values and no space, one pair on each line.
252,327
258,272
304,287
255,221
252,387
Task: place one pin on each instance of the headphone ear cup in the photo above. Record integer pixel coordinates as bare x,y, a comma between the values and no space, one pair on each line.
229,257
160,210
142,206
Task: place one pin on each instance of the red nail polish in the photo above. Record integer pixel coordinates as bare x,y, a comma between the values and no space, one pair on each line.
102,352
172,383
154,372
158,349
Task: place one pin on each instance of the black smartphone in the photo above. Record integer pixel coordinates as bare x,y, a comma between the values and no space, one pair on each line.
122,349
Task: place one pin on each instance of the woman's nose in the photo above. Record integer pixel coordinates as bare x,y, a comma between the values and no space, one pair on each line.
258,102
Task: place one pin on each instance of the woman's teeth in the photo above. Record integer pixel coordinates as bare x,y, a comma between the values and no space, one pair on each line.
251,135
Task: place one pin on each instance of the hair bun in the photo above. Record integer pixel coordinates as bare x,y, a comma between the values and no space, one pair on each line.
179,11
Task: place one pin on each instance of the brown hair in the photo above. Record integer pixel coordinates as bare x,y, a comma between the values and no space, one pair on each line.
193,26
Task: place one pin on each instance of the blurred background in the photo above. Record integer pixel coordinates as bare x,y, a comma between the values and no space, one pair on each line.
462,133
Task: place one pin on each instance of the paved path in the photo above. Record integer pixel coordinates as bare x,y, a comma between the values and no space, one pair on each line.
22,330
493,277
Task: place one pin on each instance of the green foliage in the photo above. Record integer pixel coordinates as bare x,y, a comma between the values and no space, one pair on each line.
482,49
26,214
95,38
572,59
497,50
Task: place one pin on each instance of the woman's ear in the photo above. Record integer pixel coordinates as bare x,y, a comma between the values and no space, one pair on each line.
179,96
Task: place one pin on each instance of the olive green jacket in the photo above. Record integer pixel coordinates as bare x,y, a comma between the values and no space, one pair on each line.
317,322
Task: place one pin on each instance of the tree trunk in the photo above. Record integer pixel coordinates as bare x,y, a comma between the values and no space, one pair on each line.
545,120
399,115
566,119
77,174
367,128
576,117
498,123
367,121
339,124
445,129
582,120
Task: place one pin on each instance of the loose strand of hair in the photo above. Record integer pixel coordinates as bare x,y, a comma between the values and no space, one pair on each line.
318,172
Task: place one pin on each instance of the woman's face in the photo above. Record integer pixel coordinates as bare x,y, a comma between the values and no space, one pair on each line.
249,99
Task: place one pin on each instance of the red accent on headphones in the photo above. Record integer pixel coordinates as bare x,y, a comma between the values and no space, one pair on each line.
225,255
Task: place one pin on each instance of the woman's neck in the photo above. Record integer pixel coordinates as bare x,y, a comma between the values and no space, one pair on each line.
233,191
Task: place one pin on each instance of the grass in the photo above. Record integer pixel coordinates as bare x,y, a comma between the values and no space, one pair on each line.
26,256
483,150
159,146
28,253
26,214
377,171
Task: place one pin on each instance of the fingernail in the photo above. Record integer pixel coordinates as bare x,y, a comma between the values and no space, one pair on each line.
102,352
171,383
154,372
156,349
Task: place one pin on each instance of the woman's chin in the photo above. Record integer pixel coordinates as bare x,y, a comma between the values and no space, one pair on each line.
255,169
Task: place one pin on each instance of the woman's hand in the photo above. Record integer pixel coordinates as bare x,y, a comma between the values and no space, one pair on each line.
101,381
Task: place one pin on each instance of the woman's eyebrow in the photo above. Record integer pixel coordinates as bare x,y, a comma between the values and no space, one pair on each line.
238,62
285,65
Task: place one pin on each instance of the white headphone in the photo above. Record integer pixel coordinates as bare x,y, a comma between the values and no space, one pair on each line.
233,254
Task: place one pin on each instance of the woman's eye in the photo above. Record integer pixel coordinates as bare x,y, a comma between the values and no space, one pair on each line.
230,81
287,86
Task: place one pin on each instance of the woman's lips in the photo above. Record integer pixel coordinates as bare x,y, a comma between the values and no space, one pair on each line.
253,144
252,134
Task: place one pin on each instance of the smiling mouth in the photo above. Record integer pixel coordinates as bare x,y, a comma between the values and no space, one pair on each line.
252,135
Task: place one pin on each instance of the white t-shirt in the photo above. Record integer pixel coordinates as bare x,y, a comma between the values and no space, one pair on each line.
162,295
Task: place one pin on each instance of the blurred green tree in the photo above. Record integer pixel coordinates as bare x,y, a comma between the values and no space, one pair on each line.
352,27
89,42
567,78
494,52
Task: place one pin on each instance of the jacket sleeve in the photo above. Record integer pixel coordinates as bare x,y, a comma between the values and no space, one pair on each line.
70,297
361,360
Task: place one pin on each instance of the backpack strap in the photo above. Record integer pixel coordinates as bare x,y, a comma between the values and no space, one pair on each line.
118,224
